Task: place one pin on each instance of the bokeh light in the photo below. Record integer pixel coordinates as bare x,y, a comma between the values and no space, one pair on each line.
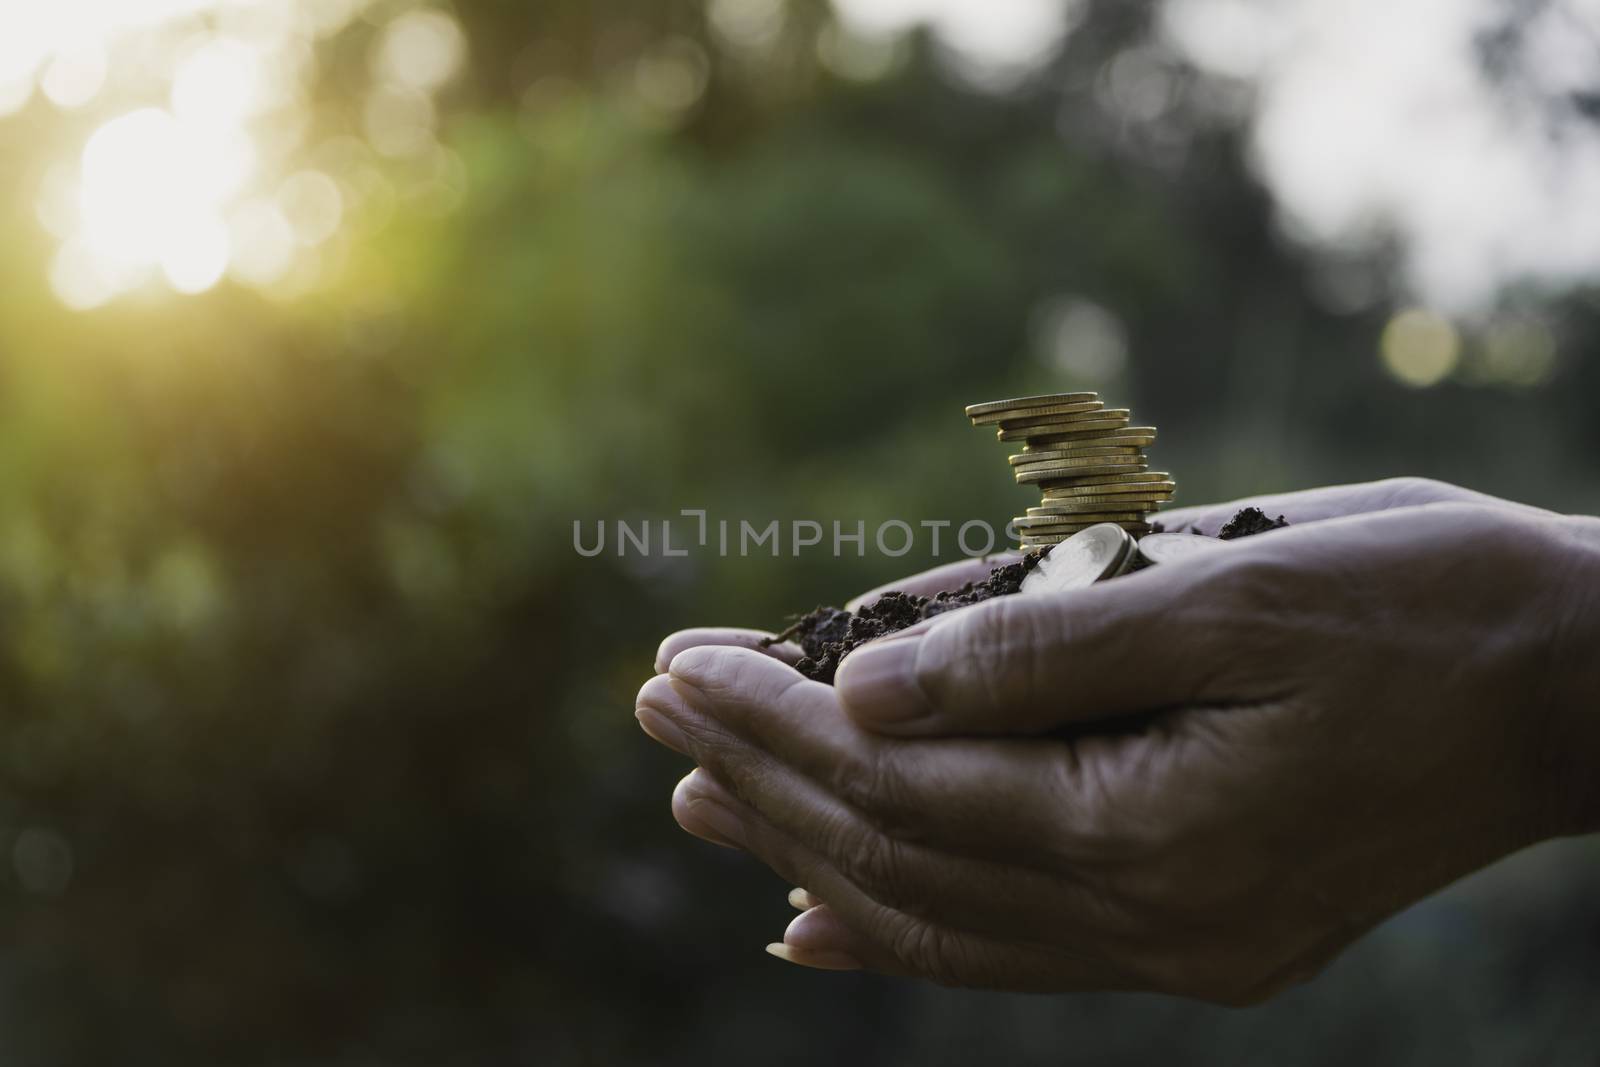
1083,340
1518,351
993,43
672,77
747,25
194,167
74,76
218,85
151,193
420,50
1420,348
311,204
301,671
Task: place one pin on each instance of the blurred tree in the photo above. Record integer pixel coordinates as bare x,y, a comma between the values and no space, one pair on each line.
316,742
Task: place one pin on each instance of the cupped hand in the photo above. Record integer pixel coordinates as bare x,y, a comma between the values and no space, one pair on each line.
1334,502
927,583
1205,778
1303,506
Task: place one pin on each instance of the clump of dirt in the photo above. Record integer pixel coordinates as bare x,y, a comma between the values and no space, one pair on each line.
827,635
1248,522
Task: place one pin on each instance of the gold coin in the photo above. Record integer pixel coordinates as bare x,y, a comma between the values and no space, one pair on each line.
1074,463
1113,435
1055,523
1044,411
977,412
1102,483
1034,447
1058,477
1093,505
1041,540
1111,513
1096,412
1022,458
1097,423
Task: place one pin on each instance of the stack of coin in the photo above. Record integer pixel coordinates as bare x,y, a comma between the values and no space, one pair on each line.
1088,463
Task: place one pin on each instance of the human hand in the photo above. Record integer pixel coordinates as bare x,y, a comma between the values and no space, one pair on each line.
1230,766
938,579
1333,502
1302,506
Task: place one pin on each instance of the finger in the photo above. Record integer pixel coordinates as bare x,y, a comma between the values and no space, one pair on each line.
1329,502
1037,662
907,871
647,709
888,940
700,813
939,579
800,900
786,651
819,938
980,797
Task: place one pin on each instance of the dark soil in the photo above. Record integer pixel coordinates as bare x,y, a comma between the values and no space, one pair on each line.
1250,521
827,635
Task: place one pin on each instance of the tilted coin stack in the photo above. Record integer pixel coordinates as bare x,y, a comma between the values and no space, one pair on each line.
1088,463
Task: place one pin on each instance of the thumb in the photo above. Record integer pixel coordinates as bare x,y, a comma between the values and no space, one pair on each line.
1032,663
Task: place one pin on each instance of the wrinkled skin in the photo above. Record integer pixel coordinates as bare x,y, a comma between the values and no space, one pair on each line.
1206,778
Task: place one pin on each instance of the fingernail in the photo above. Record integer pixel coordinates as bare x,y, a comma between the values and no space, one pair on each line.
878,681
704,816
662,729
800,899
822,961
690,664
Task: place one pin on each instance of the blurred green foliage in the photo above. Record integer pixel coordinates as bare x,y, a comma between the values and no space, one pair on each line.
317,745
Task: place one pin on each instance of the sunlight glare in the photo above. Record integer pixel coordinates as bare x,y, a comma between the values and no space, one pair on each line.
78,279
150,194
263,243
15,93
56,204
311,203
194,257
399,122
219,84
195,191
75,77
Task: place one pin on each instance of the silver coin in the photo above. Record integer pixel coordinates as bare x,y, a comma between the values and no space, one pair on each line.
1170,547
1086,557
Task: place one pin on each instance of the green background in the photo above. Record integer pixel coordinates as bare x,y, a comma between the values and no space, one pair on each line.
325,730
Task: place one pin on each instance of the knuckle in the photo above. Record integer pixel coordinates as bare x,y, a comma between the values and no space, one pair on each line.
1411,489
875,783
715,746
1250,586
929,951
949,664
1098,843
985,655
873,861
